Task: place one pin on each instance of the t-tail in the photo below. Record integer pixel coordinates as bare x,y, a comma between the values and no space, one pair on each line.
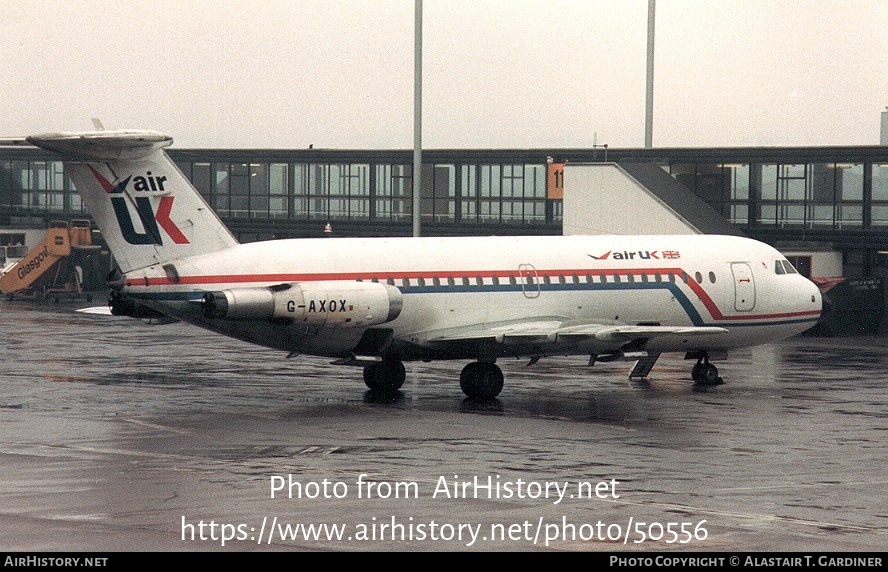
147,210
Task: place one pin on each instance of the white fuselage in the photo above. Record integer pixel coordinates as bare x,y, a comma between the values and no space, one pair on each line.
462,285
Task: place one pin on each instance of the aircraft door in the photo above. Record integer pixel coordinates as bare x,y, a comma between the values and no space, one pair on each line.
744,287
530,282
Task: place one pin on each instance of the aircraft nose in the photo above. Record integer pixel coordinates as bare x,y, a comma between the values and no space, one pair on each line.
815,297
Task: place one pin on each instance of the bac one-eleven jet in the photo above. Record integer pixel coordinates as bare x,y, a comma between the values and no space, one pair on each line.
378,302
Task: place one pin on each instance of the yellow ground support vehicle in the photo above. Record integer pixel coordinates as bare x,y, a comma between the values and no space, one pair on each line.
53,267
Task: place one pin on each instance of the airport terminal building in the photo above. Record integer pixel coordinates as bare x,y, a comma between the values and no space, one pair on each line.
832,198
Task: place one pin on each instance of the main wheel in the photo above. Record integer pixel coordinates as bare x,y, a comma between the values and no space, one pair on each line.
468,377
481,380
387,375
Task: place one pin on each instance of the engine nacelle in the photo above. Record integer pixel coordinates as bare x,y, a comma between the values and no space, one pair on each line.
326,303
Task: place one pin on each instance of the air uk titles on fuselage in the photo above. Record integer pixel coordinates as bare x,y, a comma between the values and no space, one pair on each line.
638,255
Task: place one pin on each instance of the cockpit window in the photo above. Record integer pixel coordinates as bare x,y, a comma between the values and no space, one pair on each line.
784,267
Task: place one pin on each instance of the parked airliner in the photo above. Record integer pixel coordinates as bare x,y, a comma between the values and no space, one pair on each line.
378,302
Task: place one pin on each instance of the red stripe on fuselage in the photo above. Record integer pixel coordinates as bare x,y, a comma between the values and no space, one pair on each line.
697,288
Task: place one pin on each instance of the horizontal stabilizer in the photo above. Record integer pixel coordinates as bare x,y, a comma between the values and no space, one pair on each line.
102,145
15,142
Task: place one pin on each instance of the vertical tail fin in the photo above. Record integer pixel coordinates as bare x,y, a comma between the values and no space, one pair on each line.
147,210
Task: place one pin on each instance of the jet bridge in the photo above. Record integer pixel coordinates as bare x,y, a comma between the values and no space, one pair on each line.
634,198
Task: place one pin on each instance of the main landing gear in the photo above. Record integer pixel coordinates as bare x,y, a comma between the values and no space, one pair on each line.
386,376
481,380
704,373
478,380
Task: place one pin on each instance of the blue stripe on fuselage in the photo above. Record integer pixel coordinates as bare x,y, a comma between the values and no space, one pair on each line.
672,287
681,297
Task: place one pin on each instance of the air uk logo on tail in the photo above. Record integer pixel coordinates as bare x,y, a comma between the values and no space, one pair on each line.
153,186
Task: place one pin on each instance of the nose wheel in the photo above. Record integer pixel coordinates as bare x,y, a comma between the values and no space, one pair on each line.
705,373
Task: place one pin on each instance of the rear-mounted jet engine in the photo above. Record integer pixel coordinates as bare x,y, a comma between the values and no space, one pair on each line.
329,304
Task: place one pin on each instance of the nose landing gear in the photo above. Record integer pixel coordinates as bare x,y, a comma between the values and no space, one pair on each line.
705,373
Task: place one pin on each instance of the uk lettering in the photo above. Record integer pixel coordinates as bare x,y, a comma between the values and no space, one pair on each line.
628,255
150,220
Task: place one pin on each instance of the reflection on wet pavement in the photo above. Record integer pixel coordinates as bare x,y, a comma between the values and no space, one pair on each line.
115,431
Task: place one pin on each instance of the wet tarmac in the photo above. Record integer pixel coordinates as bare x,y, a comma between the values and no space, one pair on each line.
119,436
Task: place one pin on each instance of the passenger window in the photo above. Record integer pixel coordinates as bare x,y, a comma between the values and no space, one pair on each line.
405,282
561,279
465,280
616,278
450,281
496,280
512,280
778,267
390,281
547,280
698,277
630,278
644,278
479,281
712,277
436,281
589,279
576,279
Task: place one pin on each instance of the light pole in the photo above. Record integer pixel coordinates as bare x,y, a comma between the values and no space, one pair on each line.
417,114
649,103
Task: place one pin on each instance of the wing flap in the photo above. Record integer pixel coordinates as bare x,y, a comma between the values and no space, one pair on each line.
498,332
551,330
627,333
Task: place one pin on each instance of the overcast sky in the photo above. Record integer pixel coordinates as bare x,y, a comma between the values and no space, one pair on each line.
500,74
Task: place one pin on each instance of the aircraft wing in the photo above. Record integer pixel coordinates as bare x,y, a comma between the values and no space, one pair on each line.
104,310
551,330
